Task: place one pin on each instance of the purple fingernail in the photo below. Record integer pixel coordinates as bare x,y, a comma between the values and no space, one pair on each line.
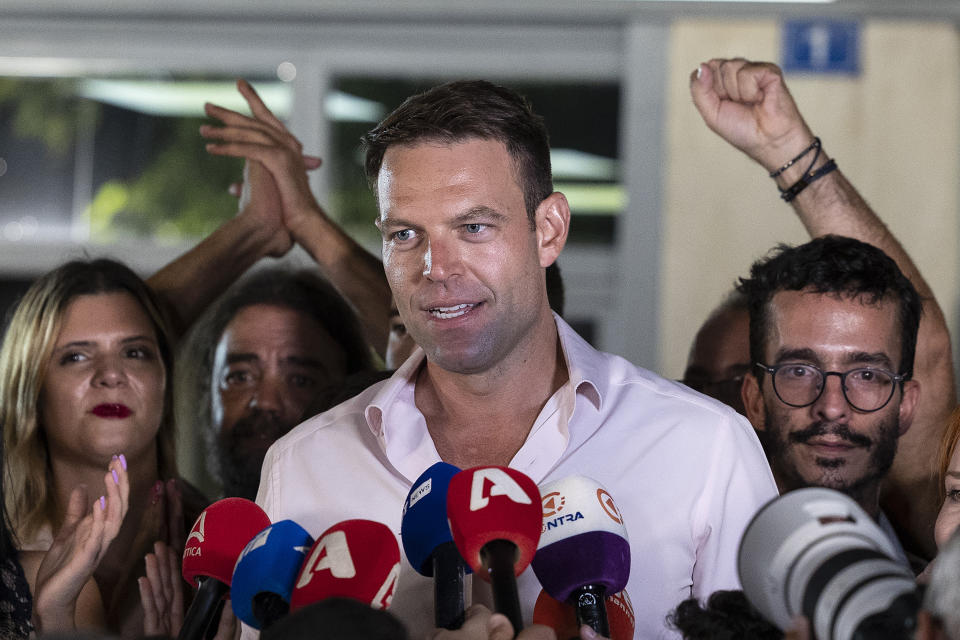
103,503
123,461
116,480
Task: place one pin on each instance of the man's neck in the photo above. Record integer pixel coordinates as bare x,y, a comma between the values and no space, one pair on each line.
484,418
867,497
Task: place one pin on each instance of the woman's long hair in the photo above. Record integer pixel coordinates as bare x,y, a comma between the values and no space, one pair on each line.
24,357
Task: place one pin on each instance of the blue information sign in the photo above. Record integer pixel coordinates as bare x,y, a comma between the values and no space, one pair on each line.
821,46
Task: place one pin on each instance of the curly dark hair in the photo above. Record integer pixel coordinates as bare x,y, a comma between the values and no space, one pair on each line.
727,616
461,110
834,265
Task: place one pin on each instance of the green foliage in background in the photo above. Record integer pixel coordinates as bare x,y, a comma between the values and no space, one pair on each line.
179,195
45,110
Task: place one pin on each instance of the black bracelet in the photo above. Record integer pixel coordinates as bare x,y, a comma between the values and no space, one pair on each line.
806,179
813,145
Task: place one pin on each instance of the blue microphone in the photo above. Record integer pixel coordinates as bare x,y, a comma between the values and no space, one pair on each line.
265,573
428,543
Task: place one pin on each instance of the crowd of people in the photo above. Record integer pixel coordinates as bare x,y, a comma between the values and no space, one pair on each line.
324,394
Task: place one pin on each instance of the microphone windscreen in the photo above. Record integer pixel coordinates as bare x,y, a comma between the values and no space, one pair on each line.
494,503
269,564
424,526
562,617
357,559
583,541
218,537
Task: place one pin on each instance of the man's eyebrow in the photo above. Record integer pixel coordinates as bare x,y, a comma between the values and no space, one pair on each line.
787,353
479,213
877,358
302,361
395,223
953,474
234,357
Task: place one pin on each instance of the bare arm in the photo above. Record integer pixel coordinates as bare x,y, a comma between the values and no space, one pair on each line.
748,105
356,274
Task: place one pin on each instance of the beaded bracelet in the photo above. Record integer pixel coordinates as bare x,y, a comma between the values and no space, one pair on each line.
813,145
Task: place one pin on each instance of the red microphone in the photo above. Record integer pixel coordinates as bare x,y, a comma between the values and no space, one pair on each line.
562,617
495,519
357,559
215,542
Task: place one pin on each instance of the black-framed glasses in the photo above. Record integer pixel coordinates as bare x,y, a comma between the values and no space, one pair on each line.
800,385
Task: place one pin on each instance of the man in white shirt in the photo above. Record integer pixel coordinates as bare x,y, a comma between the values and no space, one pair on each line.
470,221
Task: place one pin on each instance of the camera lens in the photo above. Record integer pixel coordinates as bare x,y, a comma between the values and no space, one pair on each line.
815,552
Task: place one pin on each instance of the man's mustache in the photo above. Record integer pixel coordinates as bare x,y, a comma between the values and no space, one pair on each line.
259,423
825,428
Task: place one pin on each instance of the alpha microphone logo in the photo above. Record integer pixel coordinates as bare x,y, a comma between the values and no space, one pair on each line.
331,554
609,507
491,482
385,594
198,535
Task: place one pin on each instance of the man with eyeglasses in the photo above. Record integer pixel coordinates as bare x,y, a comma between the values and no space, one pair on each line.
749,106
833,332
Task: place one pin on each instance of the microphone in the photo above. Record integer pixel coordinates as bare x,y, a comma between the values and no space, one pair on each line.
429,545
562,618
265,573
584,553
495,520
357,559
213,546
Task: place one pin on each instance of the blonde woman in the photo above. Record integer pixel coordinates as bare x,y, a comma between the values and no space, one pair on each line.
85,372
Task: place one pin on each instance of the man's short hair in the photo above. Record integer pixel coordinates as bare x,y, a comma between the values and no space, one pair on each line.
835,265
461,110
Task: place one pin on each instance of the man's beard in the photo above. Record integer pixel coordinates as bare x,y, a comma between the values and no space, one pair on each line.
883,449
241,450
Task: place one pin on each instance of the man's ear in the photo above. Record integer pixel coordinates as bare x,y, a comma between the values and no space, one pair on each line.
552,220
752,396
908,404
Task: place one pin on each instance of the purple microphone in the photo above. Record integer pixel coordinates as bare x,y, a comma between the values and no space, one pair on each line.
583,554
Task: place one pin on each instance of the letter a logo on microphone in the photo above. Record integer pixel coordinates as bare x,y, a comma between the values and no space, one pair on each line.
332,554
500,484
198,531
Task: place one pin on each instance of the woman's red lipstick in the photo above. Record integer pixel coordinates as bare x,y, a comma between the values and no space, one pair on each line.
111,411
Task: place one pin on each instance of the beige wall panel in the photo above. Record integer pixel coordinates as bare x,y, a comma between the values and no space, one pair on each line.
893,130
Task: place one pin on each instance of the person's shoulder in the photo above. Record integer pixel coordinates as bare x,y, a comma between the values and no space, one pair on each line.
344,416
635,382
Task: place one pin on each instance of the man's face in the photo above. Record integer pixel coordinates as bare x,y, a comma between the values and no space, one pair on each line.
268,366
829,443
465,267
720,357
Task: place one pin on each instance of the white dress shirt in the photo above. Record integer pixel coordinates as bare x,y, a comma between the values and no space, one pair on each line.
687,474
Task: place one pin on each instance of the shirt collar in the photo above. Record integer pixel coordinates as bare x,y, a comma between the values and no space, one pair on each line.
585,369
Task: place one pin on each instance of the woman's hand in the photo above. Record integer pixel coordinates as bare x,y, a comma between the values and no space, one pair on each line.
78,548
161,592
